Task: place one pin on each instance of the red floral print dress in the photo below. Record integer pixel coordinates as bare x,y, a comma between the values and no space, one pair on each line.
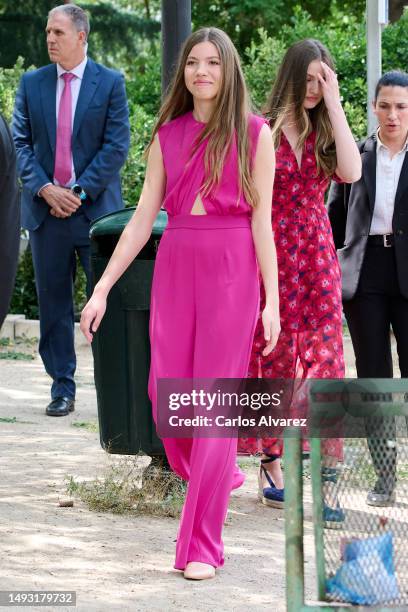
310,344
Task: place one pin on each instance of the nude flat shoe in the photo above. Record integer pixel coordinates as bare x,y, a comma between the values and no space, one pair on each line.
199,571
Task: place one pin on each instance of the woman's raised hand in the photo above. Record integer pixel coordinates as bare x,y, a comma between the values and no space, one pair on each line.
330,86
92,315
271,325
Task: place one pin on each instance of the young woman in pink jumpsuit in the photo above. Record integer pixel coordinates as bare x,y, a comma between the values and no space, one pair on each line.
211,163
313,144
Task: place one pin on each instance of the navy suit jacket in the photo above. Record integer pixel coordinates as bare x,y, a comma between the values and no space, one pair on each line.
100,139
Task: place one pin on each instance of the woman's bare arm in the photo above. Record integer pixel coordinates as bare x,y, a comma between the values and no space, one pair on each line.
263,175
133,238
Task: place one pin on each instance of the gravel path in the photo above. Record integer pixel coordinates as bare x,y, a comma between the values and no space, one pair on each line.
115,562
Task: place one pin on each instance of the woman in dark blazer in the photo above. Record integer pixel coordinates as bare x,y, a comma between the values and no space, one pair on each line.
370,227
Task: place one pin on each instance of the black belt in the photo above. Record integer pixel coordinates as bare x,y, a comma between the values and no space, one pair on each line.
384,240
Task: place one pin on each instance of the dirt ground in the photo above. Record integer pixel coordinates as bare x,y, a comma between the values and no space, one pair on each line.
115,562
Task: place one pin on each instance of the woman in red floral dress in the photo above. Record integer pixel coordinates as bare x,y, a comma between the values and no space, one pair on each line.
313,144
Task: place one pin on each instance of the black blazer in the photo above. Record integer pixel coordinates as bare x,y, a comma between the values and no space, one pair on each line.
9,217
351,208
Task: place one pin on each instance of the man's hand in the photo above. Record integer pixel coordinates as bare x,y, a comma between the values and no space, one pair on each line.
54,213
61,201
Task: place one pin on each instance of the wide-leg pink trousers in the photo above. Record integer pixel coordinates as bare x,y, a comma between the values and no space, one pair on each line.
204,307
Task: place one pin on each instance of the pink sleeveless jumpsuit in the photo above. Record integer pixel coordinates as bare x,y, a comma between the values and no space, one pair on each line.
204,308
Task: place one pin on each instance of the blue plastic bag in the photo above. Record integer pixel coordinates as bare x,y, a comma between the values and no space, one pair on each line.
367,575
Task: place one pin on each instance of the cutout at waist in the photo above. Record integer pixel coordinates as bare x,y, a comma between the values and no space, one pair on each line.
198,207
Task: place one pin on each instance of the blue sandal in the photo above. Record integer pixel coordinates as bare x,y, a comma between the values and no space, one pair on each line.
333,518
270,496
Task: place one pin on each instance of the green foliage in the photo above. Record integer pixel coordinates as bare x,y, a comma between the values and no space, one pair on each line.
260,66
16,356
144,8
128,488
117,36
395,46
26,20
117,32
144,78
88,425
24,300
9,79
18,349
141,126
357,118
144,95
80,297
242,19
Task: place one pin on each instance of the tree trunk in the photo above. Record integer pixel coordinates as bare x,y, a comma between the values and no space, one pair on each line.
396,8
147,7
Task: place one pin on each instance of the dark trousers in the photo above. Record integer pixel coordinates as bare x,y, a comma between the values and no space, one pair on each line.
54,247
377,307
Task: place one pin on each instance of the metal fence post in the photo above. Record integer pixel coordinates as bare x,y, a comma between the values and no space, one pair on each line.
294,521
315,468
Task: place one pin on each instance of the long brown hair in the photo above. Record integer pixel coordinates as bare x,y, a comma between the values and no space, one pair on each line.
287,97
229,118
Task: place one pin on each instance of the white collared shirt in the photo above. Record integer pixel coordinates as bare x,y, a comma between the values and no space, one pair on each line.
387,176
78,71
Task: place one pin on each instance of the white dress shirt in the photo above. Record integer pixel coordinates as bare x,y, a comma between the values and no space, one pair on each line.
387,176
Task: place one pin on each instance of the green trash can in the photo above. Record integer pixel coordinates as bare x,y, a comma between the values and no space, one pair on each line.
121,347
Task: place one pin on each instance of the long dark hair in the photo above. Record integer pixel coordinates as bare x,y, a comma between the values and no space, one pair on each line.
287,98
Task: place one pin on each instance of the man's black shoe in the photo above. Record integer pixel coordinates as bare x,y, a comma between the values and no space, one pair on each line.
61,406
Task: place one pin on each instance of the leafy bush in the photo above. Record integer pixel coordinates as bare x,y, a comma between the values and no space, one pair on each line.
141,126
24,300
143,87
241,19
9,80
117,32
395,44
261,63
144,78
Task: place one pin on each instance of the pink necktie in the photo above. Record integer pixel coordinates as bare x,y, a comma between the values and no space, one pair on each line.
63,153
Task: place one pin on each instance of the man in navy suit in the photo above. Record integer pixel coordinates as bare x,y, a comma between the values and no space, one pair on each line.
71,131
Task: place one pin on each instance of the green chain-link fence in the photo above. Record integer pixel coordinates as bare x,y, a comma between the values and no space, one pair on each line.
362,559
